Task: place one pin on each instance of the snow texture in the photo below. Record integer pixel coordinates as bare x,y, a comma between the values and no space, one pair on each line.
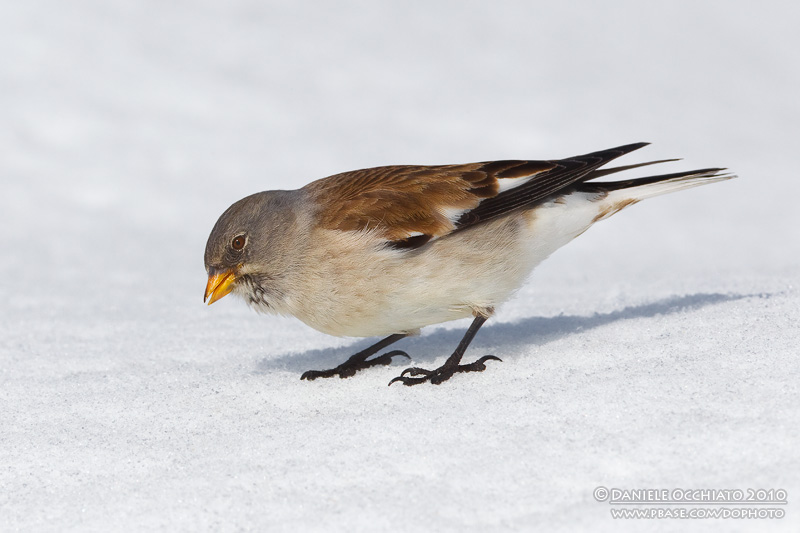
658,350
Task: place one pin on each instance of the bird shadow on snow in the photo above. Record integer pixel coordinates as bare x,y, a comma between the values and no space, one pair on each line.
533,331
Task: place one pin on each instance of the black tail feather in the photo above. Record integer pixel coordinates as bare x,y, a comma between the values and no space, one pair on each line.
606,186
606,171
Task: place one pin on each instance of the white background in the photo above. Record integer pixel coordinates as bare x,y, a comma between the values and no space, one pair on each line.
659,350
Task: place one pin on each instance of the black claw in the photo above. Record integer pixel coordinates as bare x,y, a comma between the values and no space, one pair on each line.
311,375
407,381
441,374
415,371
385,359
397,352
479,366
349,369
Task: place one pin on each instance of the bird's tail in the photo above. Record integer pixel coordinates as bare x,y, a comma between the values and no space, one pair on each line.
620,194
642,188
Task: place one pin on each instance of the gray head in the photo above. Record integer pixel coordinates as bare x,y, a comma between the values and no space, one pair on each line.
253,247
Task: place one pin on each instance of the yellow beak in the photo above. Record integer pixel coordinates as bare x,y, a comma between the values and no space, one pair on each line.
219,285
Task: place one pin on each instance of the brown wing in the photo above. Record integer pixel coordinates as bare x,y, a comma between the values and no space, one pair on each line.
412,202
410,205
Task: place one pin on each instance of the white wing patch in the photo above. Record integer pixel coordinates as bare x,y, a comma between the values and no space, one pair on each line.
452,213
506,184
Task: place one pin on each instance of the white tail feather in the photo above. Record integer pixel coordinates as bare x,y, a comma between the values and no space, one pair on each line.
648,190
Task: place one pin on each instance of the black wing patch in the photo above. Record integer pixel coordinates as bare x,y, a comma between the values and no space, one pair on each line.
566,173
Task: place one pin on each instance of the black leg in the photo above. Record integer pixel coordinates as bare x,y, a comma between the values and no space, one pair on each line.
359,360
452,365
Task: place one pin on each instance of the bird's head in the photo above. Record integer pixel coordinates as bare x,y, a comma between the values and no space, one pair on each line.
250,247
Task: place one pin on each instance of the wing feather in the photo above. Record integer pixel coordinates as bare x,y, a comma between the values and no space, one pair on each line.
411,205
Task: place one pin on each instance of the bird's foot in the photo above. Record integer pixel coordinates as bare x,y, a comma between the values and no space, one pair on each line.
416,375
349,368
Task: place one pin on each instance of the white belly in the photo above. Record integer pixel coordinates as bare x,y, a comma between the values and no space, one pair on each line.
364,290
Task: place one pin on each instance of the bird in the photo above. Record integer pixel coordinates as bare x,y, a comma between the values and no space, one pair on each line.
386,251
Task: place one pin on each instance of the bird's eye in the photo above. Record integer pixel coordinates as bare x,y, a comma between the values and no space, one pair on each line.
238,242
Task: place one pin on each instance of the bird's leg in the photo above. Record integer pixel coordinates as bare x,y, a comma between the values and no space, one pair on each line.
452,365
359,361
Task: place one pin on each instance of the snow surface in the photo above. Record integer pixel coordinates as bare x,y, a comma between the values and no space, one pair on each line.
659,350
